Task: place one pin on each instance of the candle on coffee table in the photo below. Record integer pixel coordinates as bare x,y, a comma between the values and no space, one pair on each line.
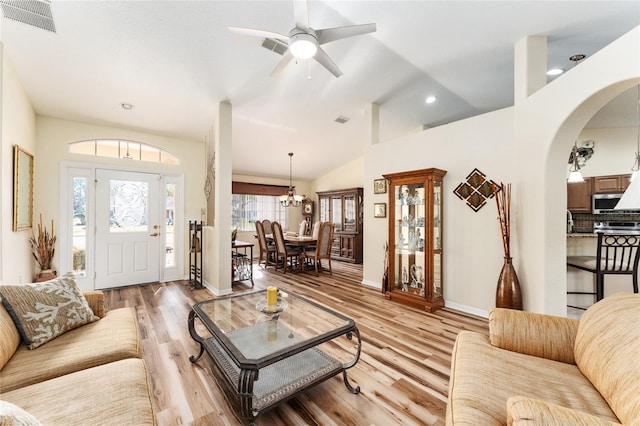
272,296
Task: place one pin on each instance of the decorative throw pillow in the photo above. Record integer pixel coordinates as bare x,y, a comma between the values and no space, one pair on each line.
13,415
46,310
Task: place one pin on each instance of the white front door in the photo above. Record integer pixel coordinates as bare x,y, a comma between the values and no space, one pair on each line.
128,226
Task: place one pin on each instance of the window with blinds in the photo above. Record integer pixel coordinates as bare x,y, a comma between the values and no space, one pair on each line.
251,202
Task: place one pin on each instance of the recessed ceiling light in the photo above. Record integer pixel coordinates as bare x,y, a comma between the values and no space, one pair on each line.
431,99
555,71
125,105
577,58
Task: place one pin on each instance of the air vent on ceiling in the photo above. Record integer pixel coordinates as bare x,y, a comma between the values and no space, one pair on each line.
341,119
36,13
274,45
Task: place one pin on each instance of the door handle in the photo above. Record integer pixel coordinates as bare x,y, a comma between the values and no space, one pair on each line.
155,234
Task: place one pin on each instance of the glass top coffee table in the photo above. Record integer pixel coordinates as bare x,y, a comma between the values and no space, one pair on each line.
264,355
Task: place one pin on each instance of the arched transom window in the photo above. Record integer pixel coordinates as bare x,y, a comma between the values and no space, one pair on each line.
127,150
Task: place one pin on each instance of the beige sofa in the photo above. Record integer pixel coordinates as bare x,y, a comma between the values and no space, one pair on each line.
537,369
93,374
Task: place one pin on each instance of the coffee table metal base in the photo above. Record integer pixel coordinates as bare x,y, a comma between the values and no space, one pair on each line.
256,390
276,382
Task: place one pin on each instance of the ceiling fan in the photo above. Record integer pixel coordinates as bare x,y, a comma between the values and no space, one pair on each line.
304,42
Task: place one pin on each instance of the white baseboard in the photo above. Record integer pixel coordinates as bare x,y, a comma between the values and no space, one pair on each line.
467,309
215,291
457,306
373,284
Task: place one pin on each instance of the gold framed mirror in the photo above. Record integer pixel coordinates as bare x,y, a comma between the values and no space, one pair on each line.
22,189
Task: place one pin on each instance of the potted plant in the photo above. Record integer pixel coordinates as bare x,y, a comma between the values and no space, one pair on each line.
43,247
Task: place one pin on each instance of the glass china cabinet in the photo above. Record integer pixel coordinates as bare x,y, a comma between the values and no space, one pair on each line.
343,208
415,238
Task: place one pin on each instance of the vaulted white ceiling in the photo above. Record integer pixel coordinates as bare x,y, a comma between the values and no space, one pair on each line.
176,60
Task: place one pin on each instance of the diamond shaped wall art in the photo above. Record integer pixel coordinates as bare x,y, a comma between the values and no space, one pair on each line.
475,190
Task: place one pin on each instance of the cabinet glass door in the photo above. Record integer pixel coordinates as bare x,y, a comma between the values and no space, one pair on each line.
437,240
409,262
415,238
336,212
324,209
349,213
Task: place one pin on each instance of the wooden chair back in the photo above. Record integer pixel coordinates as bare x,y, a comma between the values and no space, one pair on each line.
282,252
266,248
325,239
278,238
262,240
323,246
266,225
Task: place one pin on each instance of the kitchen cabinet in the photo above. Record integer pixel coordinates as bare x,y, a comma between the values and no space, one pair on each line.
344,209
415,238
579,196
610,184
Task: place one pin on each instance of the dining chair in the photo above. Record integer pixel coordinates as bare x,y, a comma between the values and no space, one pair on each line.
266,225
302,228
315,230
284,252
267,251
323,246
616,254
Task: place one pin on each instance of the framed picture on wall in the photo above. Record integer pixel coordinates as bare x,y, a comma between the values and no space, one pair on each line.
380,210
380,186
22,189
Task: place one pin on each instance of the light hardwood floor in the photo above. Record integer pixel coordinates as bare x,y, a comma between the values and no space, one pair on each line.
403,370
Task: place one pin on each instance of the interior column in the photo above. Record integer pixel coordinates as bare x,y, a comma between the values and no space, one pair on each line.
222,209
530,66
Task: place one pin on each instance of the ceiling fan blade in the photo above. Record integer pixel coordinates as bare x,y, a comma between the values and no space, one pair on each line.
331,34
258,33
301,14
284,61
324,60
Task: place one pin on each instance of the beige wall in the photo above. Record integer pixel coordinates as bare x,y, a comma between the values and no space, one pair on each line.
526,145
614,151
471,240
18,128
349,175
552,119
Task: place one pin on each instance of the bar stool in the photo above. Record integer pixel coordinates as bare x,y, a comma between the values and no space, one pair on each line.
617,254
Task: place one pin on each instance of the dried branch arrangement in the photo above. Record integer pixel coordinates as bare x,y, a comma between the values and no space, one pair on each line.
44,246
502,194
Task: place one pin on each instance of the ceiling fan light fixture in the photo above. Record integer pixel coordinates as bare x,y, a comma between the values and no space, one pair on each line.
303,46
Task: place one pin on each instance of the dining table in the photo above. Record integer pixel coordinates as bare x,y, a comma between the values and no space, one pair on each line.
296,240
304,242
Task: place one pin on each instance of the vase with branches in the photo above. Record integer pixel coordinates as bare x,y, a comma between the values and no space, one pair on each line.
385,274
508,293
43,248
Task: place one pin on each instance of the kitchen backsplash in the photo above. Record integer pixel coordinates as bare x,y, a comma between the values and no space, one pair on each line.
583,222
